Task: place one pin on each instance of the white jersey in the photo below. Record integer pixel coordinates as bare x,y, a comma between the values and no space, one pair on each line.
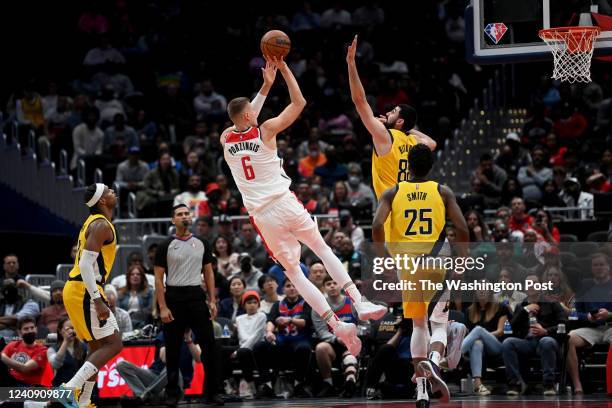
257,169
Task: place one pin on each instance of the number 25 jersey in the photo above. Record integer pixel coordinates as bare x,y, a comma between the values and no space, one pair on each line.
392,168
256,168
417,219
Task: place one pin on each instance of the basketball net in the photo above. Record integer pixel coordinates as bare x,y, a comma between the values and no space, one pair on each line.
572,49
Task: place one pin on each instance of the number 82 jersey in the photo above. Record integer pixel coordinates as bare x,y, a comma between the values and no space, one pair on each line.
256,168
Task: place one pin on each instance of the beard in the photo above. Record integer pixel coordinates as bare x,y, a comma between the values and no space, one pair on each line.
390,125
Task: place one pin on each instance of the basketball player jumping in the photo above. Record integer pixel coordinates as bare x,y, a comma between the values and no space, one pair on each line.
84,299
280,219
393,136
416,212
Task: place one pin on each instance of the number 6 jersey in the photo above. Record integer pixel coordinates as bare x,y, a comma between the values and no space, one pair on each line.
256,168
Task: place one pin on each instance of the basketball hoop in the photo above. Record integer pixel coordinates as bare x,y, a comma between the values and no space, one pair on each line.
572,49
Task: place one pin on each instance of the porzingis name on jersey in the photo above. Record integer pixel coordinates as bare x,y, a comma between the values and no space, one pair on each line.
241,146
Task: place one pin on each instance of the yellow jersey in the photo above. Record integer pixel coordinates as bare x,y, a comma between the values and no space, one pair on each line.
106,257
392,168
417,220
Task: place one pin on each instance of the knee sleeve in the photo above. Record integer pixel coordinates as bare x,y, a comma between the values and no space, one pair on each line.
419,341
438,333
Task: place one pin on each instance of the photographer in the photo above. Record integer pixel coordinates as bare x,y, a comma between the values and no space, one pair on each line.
248,272
67,354
544,227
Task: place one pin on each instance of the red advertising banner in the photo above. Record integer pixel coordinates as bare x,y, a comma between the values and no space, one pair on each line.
111,385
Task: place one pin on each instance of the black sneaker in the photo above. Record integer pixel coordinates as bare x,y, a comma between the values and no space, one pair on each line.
349,389
327,390
302,391
215,399
265,391
432,372
373,394
173,398
516,388
422,403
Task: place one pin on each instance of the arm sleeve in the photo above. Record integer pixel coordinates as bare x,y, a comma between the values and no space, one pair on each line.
257,103
86,265
161,256
40,294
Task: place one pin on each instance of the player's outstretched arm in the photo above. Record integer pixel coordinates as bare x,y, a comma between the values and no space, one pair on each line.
272,127
423,138
380,134
381,215
456,216
269,74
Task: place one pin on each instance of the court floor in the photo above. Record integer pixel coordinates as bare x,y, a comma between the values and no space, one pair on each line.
590,401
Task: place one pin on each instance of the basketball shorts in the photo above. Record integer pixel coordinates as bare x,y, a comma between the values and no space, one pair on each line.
416,302
282,225
82,313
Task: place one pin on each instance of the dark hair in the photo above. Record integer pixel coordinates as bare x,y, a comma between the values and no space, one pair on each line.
176,207
89,193
25,320
420,160
143,280
79,351
409,114
327,278
229,282
207,219
229,245
485,157
481,223
264,278
236,106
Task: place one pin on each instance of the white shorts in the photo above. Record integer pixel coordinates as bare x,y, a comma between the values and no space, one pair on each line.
595,335
282,225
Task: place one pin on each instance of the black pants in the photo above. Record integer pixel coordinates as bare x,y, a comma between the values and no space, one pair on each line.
397,370
246,359
189,309
294,355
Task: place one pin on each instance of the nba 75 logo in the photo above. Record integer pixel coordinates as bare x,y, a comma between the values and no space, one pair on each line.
495,31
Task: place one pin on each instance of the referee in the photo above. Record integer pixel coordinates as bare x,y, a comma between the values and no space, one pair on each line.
183,258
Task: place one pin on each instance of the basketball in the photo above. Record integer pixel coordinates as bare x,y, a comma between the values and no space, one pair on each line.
275,43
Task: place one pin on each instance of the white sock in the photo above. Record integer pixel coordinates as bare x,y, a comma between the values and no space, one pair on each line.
335,269
86,371
422,388
434,356
312,295
328,380
352,292
269,384
85,397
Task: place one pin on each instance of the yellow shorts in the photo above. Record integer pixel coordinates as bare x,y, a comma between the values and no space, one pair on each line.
82,313
415,302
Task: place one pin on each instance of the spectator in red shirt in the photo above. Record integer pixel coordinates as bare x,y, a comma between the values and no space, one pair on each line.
304,195
572,124
519,221
23,361
545,229
556,152
52,314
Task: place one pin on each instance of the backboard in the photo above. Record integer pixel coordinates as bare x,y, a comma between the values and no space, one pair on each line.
506,31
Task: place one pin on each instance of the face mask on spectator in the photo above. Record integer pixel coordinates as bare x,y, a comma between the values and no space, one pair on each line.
29,338
354,181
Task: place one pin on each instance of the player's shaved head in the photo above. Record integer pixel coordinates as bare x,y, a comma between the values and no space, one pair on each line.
236,106
420,160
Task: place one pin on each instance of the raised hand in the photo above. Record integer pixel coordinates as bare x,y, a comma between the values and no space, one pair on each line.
269,73
352,50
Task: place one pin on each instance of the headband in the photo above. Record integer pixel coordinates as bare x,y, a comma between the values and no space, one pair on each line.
97,195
